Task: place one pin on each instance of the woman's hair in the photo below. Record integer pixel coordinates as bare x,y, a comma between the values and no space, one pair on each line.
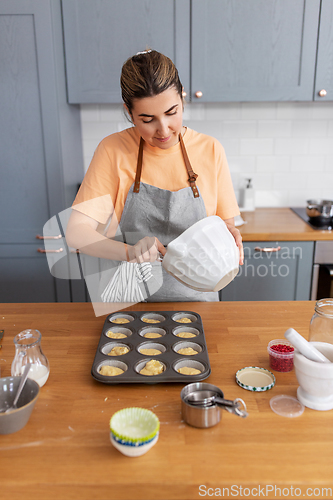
147,74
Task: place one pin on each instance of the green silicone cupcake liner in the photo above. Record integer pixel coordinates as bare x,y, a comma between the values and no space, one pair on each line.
134,425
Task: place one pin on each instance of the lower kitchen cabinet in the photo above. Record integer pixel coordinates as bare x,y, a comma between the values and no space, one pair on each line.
25,275
273,271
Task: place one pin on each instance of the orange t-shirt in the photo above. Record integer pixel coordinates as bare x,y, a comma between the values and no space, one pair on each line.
112,172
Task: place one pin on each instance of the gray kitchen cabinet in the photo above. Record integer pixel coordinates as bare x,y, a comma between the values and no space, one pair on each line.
253,50
324,69
273,271
225,50
41,160
101,34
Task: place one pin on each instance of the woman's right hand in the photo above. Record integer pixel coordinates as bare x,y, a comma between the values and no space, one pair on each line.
145,250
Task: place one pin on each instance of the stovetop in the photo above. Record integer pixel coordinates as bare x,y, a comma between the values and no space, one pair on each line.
301,212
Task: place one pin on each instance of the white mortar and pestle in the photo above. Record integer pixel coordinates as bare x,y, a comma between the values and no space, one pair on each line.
313,362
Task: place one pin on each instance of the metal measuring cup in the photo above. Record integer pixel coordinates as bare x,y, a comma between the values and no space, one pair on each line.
201,405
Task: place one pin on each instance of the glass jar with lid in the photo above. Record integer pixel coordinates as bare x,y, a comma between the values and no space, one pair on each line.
321,324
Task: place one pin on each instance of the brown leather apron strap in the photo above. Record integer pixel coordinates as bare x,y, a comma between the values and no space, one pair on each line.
191,175
136,188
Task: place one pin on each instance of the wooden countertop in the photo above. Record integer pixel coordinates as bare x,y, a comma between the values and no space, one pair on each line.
279,224
64,452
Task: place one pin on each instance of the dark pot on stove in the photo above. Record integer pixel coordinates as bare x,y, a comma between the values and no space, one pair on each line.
319,211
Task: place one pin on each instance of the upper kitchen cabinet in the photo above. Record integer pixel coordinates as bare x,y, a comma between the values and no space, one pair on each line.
101,34
41,159
256,50
324,73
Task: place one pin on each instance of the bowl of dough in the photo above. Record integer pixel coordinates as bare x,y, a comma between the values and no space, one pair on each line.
205,257
134,431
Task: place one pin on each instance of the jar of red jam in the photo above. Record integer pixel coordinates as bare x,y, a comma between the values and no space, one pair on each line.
281,355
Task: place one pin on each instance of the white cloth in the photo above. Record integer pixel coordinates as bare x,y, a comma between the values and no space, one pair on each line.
239,221
124,286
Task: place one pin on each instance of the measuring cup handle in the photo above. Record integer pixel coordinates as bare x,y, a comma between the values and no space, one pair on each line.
237,407
224,402
241,412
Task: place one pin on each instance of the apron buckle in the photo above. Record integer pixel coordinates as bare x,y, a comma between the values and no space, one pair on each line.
192,178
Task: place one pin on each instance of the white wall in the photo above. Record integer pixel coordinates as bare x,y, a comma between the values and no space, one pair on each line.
286,148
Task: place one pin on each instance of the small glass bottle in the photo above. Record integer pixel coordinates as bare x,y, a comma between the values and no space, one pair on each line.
321,324
28,349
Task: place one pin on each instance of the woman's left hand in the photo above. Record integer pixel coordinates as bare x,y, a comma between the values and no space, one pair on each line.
238,238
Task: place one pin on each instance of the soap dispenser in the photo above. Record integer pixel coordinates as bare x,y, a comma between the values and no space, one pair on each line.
248,200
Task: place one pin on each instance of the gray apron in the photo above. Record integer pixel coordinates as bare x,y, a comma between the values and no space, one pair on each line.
151,211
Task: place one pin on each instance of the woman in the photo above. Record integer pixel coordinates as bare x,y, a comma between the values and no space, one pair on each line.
157,178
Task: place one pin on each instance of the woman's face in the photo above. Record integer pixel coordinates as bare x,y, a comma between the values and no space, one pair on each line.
159,119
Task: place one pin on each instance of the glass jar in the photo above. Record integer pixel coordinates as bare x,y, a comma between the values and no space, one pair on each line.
28,349
321,324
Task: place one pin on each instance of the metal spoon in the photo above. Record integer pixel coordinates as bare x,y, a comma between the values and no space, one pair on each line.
20,388
207,398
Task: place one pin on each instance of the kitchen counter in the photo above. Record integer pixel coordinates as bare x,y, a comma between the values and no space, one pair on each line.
64,452
279,224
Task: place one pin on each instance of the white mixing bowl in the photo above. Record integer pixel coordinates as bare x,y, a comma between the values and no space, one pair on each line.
205,257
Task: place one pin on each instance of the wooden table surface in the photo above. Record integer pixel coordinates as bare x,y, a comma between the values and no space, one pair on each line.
64,452
279,224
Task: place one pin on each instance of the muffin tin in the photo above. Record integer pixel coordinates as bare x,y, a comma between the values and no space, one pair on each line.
165,323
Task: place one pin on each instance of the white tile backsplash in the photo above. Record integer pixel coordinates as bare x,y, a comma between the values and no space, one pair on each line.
322,145
316,181
274,128
295,110
238,128
307,163
273,163
258,110
328,164
113,112
291,146
243,164
330,128
290,182
271,198
310,128
89,147
222,112
323,110
286,148
257,146
90,113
